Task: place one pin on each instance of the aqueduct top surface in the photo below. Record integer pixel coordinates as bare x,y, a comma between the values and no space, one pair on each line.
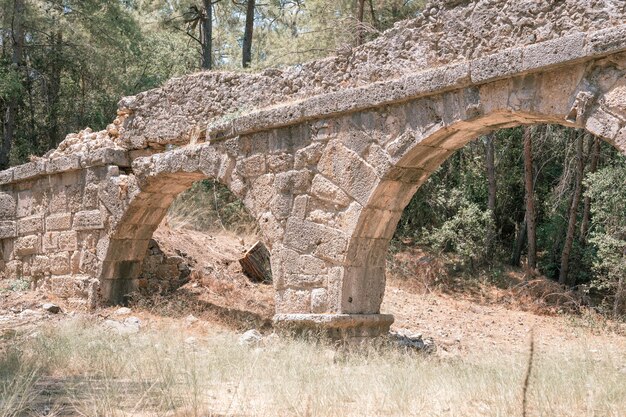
325,155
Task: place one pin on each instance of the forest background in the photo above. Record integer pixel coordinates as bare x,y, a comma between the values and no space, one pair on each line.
548,199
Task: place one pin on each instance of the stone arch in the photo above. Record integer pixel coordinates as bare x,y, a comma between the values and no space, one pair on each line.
591,98
158,180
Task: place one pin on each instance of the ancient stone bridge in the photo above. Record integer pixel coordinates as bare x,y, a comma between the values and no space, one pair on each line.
325,155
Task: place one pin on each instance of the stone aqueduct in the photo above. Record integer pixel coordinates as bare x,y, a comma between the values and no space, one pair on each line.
325,155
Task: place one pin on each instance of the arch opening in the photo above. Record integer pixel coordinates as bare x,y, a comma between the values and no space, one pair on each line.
180,226
384,217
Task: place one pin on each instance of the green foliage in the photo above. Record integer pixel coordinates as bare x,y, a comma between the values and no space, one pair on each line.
607,190
464,232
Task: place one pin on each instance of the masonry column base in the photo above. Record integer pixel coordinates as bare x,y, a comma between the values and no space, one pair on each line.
350,327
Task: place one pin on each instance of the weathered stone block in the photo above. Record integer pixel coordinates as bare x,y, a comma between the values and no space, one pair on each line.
60,221
88,220
603,124
293,301
63,164
67,241
553,52
319,301
347,170
608,40
294,182
499,65
50,242
106,156
302,281
30,225
8,206
25,203
8,229
40,266
325,190
308,237
60,264
27,245
6,176
253,166
29,170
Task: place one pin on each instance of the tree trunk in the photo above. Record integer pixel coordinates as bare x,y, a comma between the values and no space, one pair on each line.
573,212
247,35
516,256
207,35
593,167
54,89
10,112
530,199
492,189
256,263
360,14
619,306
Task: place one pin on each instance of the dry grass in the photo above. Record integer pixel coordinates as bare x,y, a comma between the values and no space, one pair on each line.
78,368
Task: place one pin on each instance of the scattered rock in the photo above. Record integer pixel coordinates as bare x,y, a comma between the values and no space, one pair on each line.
251,337
130,326
51,308
122,311
190,320
412,341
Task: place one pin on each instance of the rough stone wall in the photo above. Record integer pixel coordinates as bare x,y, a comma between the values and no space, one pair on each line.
447,32
55,220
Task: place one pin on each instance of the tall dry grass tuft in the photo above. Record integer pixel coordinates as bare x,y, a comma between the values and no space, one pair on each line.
161,372
209,206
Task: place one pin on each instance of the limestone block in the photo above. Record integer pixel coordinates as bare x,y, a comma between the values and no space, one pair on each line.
555,51
499,65
90,197
127,250
89,263
67,241
347,170
293,301
302,281
271,229
40,266
57,201
29,170
280,206
13,269
322,241
262,192
65,163
363,289
308,156
30,225
88,220
300,204
27,245
105,156
6,176
608,40
59,221
252,166
60,264
367,251
325,190
279,163
392,195
8,206
378,158
8,229
293,182
377,223
603,124
50,242
319,301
